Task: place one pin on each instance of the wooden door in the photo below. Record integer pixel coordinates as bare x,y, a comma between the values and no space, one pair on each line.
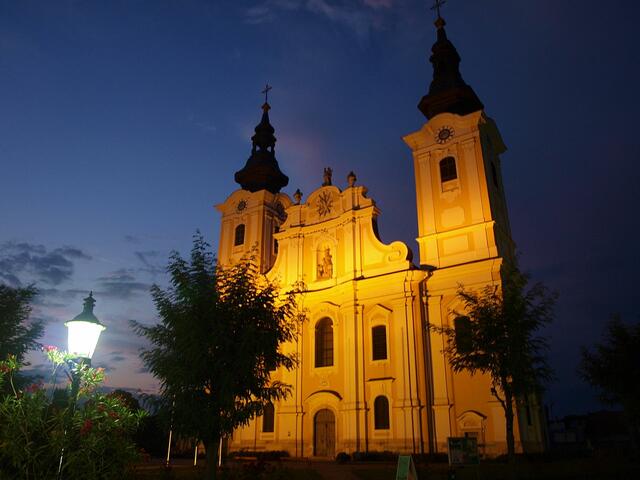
324,434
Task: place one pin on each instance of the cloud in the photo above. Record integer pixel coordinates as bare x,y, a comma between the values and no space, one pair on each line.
359,16
375,4
131,239
23,262
146,258
259,14
121,284
203,125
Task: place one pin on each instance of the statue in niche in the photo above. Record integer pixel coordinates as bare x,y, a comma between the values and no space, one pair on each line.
326,177
325,263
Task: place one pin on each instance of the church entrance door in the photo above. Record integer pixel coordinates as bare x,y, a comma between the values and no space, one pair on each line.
324,438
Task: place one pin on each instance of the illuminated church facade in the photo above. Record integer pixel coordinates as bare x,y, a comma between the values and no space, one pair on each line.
371,374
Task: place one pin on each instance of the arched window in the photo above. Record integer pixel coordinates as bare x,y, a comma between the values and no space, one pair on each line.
448,169
239,237
268,416
379,342
464,341
324,343
381,413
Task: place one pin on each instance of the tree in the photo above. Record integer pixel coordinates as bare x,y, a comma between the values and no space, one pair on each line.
613,368
17,335
216,345
496,335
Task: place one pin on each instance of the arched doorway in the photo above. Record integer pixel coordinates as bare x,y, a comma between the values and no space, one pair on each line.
324,434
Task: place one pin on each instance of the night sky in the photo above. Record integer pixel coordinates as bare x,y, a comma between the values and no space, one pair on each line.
123,122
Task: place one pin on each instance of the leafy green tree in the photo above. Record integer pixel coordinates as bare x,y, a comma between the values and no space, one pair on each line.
613,368
17,334
218,340
497,335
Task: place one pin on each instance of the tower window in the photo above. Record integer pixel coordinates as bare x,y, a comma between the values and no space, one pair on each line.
324,343
379,342
448,169
268,416
276,229
381,413
239,236
462,327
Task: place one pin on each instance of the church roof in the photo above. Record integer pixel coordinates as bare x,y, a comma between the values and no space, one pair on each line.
448,92
261,172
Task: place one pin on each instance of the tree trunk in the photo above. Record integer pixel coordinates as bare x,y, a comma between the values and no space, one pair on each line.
508,415
211,448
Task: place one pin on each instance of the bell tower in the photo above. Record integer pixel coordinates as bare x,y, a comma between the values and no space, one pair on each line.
462,215
253,213
464,237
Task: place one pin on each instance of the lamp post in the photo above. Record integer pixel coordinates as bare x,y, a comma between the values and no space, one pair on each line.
84,331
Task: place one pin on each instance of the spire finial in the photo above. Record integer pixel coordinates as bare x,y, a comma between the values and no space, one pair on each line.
266,90
439,23
89,302
436,6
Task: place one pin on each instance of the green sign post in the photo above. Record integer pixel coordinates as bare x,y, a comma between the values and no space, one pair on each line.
406,468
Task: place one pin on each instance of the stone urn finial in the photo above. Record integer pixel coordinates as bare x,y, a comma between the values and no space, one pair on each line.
351,179
326,177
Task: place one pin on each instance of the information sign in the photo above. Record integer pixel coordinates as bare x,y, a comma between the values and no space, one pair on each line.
463,451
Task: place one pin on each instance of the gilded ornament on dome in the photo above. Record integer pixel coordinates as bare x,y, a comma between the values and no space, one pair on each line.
325,202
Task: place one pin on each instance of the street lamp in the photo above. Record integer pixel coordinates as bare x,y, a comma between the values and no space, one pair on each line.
84,331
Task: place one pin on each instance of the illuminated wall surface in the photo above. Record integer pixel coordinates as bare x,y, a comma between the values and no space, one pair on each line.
371,376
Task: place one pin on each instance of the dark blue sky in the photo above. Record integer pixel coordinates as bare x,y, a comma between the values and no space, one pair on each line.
122,123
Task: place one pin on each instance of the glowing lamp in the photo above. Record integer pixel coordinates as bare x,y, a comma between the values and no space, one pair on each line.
84,331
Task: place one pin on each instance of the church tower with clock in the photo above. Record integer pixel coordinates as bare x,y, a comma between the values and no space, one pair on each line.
252,215
371,373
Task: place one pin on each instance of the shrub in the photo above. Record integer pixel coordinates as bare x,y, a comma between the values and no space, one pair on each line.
37,429
374,456
343,457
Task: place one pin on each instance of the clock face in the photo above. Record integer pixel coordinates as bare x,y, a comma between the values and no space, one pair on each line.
242,204
444,134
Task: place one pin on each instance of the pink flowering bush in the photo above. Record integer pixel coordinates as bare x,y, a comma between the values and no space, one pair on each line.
93,436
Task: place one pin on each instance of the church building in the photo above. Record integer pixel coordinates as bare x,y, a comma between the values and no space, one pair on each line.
371,374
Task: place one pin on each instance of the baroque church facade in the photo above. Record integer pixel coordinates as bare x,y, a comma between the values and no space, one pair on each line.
371,374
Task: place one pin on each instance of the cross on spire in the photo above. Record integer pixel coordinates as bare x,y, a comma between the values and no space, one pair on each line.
267,87
436,6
